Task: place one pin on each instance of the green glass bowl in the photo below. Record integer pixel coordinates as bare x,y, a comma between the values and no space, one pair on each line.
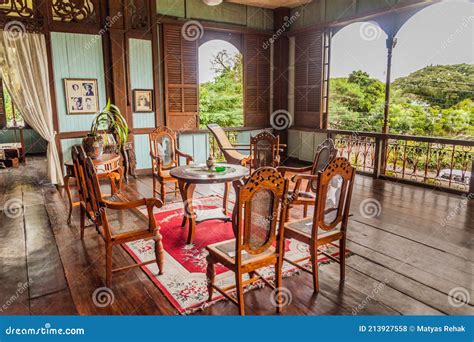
219,168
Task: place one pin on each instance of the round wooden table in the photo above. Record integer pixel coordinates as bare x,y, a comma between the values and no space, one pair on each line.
105,164
190,175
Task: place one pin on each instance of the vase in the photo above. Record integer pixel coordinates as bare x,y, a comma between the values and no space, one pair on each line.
93,145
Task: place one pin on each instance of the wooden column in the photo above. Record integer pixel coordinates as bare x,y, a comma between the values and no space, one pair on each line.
281,48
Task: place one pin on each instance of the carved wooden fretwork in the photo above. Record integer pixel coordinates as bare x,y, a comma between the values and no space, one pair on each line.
73,10
17,8
138,14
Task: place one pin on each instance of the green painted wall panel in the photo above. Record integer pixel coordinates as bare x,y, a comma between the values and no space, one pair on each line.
309,14
66,145
338,9
225,12
142,151
174,8
364,6
196,145
76,56
34,143
141,76
261,18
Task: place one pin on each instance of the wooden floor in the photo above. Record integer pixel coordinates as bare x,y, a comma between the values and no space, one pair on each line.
405,261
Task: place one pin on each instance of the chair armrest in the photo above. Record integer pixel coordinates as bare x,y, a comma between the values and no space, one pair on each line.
300,177
236,149
148,202
285,169
188,157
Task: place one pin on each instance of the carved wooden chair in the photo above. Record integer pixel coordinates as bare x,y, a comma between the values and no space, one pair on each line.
325,154
125,228
331,215
165,155
230,151
258,242
265,150
79,163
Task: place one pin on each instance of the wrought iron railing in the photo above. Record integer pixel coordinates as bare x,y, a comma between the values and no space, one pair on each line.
439,162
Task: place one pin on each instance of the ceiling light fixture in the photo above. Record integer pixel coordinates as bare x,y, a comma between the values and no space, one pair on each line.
212,2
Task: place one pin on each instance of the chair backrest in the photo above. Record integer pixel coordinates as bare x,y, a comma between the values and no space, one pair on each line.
325,154
163,145
231,156
264,150
79,161
334,192
259,203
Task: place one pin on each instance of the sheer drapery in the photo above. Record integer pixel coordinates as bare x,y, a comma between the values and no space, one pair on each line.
24,69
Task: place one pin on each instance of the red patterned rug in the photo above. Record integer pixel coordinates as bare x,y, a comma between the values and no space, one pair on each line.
184,278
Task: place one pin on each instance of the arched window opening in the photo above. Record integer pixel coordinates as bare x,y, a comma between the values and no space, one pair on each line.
220,84
357,78
433,73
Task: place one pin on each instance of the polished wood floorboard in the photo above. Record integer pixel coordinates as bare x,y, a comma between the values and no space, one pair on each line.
405,261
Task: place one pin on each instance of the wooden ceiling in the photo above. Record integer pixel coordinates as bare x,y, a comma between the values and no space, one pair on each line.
271,3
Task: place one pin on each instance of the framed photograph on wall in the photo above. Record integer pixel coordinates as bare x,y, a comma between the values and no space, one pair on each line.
142,100
82,96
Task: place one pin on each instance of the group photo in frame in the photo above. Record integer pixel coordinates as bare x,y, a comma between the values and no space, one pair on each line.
142,100
81,95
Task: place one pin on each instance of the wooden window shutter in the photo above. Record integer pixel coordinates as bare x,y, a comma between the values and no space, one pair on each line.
308,79
181,79
256,81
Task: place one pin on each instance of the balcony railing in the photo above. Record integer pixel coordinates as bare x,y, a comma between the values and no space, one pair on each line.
438,162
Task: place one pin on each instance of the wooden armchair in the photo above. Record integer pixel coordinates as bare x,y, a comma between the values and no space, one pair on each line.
123,229
265,150
325,154
79,163
230,152
164,157
331,215
258,242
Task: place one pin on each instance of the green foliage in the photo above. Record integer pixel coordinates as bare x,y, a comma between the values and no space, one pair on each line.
111,119
221,100
440,85
417,107
14,119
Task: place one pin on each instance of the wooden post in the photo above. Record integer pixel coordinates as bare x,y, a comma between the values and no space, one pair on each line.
471,182
391,42
379,159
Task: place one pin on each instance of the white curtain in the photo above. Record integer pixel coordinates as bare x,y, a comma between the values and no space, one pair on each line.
24,69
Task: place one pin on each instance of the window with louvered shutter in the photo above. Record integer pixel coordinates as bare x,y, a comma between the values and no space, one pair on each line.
256,81
181,81
308,78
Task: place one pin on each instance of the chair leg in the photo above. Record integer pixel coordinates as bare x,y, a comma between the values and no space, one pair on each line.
163,192
314,266
83,221
278,281
108,265
210,274
342,259
154,186
305,211
240,293
159,251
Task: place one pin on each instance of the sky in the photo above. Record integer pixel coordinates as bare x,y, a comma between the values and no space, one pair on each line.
206,53
439,34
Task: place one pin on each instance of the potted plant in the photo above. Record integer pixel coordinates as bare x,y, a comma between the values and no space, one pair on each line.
108,120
